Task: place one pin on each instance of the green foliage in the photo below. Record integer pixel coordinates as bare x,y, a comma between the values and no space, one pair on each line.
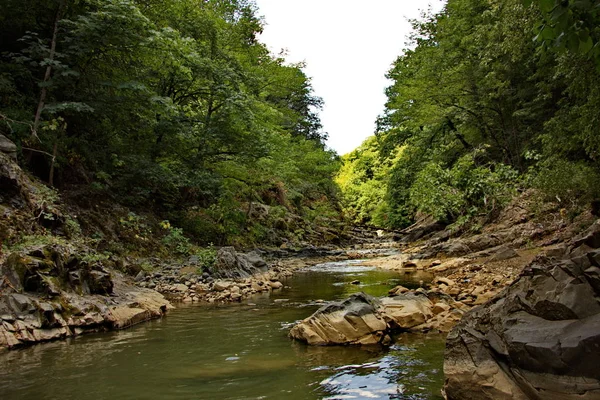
464,190
571,25
363,180
489,75
568,183
207,258
72,228
28,241
174,239
172,106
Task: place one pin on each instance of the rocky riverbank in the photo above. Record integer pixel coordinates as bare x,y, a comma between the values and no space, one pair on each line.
539,338
52,293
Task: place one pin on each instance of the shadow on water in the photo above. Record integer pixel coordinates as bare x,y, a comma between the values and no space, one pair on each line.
234,352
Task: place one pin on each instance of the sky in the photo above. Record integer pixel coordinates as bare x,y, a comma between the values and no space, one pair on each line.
348,46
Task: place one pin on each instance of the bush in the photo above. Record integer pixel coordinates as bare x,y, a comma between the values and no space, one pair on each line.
464,190
569,183
175,240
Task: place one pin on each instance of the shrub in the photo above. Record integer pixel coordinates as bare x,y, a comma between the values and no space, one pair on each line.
569,183
463,190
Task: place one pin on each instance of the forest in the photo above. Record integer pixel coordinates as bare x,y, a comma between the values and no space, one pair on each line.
490,99
158,161
175,107
168,107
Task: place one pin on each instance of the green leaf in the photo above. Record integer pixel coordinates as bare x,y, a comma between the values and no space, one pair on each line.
586,45
546,5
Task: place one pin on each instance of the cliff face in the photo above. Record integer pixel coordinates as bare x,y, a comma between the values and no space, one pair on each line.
538,339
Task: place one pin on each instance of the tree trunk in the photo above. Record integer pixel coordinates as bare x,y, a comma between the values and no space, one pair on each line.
52,162
48,74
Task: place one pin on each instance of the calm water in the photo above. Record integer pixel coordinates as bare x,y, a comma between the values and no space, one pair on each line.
234,352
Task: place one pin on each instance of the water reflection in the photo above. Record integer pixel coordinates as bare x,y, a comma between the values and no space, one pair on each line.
233,352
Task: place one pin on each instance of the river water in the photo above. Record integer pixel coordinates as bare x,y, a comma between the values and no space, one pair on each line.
238,351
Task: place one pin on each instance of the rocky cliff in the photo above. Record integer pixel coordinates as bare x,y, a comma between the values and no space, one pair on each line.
539,338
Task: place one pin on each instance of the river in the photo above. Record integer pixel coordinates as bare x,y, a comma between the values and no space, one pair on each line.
238,351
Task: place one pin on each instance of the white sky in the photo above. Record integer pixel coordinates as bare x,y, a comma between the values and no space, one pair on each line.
348,46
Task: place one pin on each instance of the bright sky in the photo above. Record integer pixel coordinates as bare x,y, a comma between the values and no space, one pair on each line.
348,46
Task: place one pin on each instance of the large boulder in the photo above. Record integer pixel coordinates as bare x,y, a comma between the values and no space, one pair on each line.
539,339
355,320
230,264
363,319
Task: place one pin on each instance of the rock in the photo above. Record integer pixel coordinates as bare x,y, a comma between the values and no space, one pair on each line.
406,311
100,282
504,253
557,251
409,264
221,286
179,287
230,264
458,248
422,228
140,276
355,320
444,281
398,290
254,258
450,264
539,339
20,304
276,285
8,147
439,308
124,317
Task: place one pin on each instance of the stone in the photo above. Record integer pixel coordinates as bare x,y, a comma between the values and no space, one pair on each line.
444,281
355,320
539,339
406,311
276,285
439,308
398,290
230,264
100,282
179,287
140,276
8,147
458,248
221,286
20,303
504,253
124,317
